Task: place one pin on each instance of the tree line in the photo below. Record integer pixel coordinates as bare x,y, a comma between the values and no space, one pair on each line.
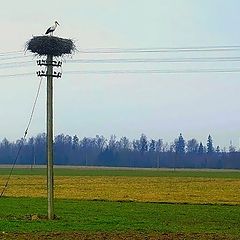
142,152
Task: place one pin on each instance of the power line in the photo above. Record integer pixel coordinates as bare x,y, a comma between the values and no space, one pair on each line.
130,60
137,71
9,63
11,52
139,60
16,75
157,50
139,50
155,60
154,71
14,57
15,65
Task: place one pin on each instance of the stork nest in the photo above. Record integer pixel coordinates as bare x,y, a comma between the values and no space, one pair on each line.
50,45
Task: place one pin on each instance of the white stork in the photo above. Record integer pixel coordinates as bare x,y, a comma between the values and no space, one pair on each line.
52,28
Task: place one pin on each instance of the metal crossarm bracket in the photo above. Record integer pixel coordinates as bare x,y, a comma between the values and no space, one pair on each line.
45,63
44,74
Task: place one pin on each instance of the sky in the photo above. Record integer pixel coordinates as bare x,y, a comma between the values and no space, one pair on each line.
158,105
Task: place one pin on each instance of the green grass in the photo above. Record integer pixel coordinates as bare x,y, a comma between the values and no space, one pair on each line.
94,216
133,173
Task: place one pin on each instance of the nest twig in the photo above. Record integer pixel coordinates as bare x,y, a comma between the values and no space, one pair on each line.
50,45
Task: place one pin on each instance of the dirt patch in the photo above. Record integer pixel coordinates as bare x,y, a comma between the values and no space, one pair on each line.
113,236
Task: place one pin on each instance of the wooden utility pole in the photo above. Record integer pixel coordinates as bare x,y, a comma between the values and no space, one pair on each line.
50,183
50,74
52,47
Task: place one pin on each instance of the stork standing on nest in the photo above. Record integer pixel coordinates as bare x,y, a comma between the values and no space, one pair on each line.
52,28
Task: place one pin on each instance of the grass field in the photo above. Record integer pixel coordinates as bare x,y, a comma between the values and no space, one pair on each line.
99,216
111,204
126,173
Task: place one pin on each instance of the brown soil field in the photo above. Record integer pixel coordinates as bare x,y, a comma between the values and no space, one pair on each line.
113,236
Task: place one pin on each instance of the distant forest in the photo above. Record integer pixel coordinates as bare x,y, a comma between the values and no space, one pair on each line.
142,152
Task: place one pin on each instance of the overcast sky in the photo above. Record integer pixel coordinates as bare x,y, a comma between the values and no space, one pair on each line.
159,105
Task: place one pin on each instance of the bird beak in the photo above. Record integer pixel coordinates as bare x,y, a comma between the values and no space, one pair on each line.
58,23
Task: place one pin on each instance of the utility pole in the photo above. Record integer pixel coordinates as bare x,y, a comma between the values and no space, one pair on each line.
33,163
50,136
50,74
50,47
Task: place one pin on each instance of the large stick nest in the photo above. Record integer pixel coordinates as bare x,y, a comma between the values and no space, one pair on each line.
50,45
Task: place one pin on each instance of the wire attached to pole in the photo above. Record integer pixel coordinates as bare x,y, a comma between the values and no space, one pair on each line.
23,138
